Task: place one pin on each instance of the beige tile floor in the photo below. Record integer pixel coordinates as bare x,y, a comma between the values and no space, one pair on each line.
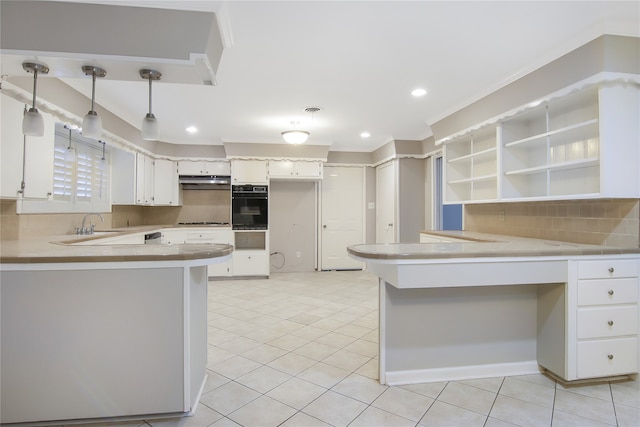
300,350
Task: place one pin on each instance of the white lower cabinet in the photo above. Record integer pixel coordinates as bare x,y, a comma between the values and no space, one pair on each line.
250,253
607,318
204,236
597,316
250,263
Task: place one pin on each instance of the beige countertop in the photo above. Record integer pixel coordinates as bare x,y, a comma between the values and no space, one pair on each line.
480,245
57,249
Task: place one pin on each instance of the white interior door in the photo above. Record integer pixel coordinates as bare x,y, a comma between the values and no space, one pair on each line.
342,216
386,227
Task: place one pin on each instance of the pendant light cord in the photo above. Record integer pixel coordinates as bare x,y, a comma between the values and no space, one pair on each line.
35,81
150,94
93,91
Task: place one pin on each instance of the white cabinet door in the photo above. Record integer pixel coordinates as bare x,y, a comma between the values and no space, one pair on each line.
249,171
144,180
37,153
250,263
189,167
123,177
295,169
280,168
342,216
305,169
386,203
165,183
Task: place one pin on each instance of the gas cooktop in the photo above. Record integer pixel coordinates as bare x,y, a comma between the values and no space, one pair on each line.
203,223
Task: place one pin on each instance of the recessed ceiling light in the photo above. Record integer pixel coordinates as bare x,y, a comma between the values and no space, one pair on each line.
192,129
419,92
365,135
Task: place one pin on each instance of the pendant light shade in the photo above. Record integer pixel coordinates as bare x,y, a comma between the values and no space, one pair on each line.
32,122
149,123
92,124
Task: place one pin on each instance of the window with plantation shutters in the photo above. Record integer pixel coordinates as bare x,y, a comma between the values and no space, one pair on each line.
81,180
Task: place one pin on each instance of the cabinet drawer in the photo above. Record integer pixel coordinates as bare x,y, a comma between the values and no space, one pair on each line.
608,291
607,322
607,269
209,237
607,357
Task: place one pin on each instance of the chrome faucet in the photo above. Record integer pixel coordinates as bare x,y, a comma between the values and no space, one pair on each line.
89,229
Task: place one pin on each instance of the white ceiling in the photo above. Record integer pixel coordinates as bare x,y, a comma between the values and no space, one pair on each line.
358,61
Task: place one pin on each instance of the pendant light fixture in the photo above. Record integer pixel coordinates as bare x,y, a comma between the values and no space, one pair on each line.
70,153
92,124
149,123
32,122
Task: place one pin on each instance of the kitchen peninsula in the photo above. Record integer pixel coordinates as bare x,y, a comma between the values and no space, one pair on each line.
473,305
95,332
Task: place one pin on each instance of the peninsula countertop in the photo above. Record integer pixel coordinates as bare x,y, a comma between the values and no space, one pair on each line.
60,249
480,245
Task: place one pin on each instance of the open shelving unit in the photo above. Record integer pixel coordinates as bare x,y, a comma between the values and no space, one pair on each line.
577,143
553,150
470,167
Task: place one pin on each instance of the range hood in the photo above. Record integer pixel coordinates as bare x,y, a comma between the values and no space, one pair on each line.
205,182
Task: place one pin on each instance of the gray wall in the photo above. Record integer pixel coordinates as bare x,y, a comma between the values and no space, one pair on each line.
606,53
292,227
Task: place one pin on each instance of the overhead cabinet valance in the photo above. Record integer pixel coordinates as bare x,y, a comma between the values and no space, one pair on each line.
119,38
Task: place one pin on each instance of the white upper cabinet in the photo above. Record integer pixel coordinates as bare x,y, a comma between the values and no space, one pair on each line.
144,180
190,167
249,172
166,189
295,169
581,145
30,156
123,177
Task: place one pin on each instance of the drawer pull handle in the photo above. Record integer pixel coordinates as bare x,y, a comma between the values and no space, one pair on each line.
610,322
610,292
611,270
610,356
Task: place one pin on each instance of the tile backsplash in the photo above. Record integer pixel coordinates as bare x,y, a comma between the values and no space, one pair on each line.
198,205
613,222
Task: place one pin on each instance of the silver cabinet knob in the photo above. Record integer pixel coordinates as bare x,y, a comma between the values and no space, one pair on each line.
610,322
610,292
324,226
611,270
610,356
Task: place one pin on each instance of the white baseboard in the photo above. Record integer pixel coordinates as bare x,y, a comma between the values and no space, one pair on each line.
461,373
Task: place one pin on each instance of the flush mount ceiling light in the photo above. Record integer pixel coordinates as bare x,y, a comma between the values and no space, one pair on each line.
149,123
295,136
92,124
32,122
365,135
